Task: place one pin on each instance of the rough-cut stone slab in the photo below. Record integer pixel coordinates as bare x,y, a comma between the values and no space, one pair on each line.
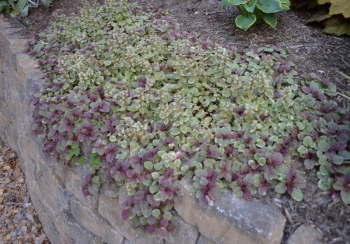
74,184
305,235
94,222
110,210
233,220
69,225
183,233
203,240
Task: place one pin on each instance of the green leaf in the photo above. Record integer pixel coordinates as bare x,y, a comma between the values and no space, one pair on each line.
95,179
46,3
224,4
19,7
237,2
174,131
337,159
345,154
167,215
156,213
323,143
148,165
270,19
153,189
302,150
4,6
107,63
244,22
94,160
308,142
345,196
281,188
24,12
297,194
340,7
319,16
250,6
309,164
269,6
336,26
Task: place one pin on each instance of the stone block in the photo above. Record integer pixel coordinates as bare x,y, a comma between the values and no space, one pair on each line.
94,222
305,235
203,240
110,210
72,228
128,242
232,220
74,184
49,227
183,233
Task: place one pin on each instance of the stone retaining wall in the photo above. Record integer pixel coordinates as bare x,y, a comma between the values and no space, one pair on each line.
68,217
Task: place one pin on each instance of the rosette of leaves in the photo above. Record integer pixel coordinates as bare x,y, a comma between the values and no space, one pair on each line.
334,15
142,105
21,6
251,11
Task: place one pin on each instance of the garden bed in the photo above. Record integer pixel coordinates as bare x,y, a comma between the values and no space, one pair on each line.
294,211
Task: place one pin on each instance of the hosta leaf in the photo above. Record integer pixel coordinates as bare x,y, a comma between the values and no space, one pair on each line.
345,196
270,19
4,6
323,1
297,194
269,6
340,7
237,2
337,26
19,7
250,6
245,22
319,16
24,12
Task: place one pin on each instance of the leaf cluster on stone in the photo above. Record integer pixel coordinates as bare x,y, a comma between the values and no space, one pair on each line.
143,104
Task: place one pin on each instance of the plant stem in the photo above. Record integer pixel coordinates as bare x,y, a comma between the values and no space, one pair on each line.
240,10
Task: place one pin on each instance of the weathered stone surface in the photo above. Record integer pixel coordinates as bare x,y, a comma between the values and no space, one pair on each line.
128,242
183,233
94,222
110,210
74,184
233,220
203,240
110,190
305,235
69,225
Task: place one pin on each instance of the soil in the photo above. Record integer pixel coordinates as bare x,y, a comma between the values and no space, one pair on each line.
309,49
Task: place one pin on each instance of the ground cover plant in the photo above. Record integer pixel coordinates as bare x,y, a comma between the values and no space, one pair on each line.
153,106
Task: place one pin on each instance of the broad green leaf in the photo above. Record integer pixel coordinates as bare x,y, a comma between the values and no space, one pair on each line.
95,179
270,19
250,6
337,26
340,7
281,187
297,194
153,189
309,164
303,150
237,2
24,12
308,142
167,215
245,22
19,7
345,154
4,6
269,6
319,16
345,196
174,131
107,63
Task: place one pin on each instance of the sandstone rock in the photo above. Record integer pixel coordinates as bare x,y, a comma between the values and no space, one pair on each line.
110,210
305,235
233,220
203,240
94,222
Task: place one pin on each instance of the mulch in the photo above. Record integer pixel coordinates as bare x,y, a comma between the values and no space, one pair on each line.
19,222
309,49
